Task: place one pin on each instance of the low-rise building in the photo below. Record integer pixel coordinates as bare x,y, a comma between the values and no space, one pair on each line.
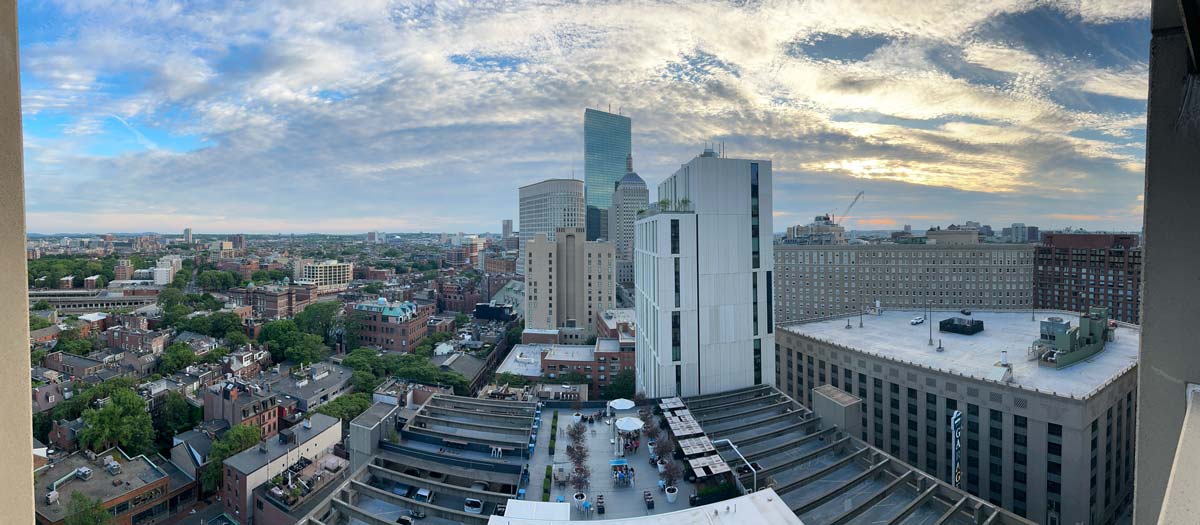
391,326
306,444
134,490
72,365
275,301
310,386
595,365
136,340
469,366
240,403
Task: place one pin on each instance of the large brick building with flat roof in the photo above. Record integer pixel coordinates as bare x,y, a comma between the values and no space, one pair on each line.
1075,271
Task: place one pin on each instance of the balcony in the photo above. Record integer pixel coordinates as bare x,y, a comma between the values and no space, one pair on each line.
664,206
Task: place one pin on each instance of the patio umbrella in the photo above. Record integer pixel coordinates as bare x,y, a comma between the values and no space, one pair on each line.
627,424
620,404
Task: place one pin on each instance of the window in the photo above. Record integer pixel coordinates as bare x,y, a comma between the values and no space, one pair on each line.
754,238
758,361
674,236
675,337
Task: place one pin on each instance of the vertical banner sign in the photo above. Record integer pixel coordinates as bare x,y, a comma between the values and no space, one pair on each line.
956,448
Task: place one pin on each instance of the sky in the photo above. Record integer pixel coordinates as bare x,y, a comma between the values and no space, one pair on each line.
316,116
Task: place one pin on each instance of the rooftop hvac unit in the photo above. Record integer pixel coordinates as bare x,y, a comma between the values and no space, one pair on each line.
83,473
52,497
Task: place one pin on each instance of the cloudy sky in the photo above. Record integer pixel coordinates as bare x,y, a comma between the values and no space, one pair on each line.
300,116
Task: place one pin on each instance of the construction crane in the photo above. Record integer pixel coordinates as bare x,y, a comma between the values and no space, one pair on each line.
848,208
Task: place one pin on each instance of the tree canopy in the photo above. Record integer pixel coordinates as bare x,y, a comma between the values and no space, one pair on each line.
622,385
123,421
175,358
511,379
347,407
71,342
177,416
319,319
236,439
217,280
85,510
405,366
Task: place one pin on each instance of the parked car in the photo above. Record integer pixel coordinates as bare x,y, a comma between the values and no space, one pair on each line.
965,311
917,320
473,506
413,514
424,495
405,520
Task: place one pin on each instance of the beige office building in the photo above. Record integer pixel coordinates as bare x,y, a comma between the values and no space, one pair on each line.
329,276
817,281
568,281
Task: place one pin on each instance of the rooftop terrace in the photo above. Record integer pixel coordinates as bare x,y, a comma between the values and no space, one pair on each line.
890,335
135,473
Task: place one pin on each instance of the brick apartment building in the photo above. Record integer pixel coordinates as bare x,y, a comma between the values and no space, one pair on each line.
243,268
1076,271
136,340
597,363
372,273
457,295
275,301
501,264
392,326
242,404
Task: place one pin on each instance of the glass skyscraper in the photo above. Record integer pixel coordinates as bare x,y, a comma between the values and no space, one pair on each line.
606,146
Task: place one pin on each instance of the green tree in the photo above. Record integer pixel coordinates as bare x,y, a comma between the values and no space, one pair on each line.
236,338
279,336
347,407
511,379
319,319
42,304
170,297
71,342
372,288
461,320
37,322
177,416
310,349
213,356
572,378
175,315
123,421
84,510
217,280
622,385
236,439
513,335
364,381
364,360
175,358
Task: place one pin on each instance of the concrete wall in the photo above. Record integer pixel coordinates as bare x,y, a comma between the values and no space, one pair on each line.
16,498
1169,358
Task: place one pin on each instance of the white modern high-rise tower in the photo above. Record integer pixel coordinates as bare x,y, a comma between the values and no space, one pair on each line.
547,206
703,269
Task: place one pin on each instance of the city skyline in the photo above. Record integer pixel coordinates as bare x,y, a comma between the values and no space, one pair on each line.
1011,113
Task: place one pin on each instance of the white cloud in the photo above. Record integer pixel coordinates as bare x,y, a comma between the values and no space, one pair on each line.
349,109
